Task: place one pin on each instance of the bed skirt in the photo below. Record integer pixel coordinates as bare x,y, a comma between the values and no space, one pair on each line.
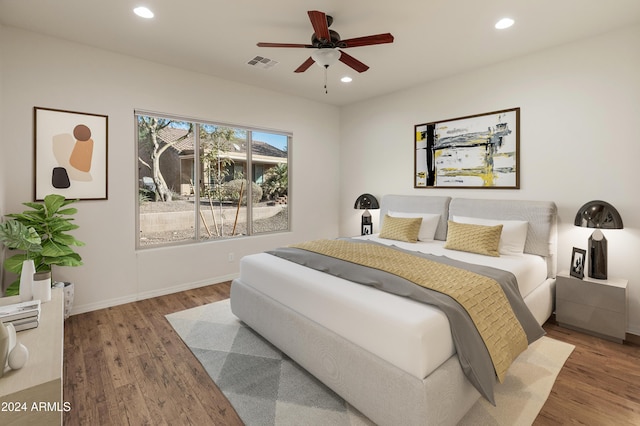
378,389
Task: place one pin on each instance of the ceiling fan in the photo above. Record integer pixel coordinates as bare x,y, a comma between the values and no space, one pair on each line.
328,44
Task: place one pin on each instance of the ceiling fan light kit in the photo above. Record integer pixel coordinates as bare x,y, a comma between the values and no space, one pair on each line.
328,45
325,57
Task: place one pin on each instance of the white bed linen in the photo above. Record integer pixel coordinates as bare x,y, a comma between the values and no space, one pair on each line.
410,335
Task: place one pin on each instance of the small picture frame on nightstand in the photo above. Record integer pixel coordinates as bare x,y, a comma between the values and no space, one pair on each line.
577,263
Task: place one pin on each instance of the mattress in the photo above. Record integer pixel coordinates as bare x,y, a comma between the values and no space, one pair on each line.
410,335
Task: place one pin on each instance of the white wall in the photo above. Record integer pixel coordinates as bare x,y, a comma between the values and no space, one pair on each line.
580,105
46,72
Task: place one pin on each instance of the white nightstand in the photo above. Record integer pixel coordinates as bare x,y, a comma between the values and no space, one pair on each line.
597,307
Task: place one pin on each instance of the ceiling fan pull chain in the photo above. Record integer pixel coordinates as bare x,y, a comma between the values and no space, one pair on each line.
326,67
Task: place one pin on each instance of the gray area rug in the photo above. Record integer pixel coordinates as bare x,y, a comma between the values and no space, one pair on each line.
267,388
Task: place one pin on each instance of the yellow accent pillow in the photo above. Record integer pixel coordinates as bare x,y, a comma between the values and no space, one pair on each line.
478,239
401,228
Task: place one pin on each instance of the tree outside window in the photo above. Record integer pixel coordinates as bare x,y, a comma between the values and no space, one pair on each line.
201,181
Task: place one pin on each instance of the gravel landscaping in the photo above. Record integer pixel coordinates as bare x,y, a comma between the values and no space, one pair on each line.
277,222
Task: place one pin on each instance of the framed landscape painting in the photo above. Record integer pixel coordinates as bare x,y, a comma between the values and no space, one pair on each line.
477,151
70,150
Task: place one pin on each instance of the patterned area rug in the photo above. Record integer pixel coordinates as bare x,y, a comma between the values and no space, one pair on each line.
268,388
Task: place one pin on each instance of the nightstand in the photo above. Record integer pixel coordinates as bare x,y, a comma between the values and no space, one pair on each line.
597,307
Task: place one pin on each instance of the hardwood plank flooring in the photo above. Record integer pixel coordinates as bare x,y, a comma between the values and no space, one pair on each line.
599,384
125,365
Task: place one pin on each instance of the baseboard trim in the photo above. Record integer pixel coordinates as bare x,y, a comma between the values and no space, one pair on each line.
632,338
187,286
89,307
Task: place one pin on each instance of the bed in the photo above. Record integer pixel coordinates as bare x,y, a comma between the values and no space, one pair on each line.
391,357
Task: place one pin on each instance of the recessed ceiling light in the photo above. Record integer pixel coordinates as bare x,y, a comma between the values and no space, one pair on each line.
143,12
346,79
504,23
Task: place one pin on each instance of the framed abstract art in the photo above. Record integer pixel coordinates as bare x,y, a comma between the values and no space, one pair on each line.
476,151
70,152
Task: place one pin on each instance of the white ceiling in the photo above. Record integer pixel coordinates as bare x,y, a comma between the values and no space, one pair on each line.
433,38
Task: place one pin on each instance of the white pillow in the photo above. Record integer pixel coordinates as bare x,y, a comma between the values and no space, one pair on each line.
429,223
514,232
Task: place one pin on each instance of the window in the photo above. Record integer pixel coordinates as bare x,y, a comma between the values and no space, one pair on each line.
202,181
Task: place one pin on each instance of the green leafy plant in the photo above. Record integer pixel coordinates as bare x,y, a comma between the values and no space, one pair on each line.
16,236
276,183
50,220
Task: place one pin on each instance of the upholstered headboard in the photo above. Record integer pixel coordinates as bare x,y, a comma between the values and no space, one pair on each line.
541,216
418,204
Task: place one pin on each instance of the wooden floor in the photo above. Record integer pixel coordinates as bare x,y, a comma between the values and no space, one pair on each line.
126,366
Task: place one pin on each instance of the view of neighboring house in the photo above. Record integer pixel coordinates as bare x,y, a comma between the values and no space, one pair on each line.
177,162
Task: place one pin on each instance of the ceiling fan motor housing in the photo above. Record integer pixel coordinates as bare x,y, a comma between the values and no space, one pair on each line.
335,39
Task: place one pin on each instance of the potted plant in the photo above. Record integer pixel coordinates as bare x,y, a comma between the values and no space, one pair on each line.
51,220
17,236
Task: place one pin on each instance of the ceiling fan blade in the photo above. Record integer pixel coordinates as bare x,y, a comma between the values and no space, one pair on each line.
367,40
305,65
283,45
320,26
352,62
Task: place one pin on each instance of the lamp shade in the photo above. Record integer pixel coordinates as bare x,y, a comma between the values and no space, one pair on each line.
325,57
366,201
598,214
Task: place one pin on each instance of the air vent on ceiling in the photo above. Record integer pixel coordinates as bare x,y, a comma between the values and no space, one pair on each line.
262,62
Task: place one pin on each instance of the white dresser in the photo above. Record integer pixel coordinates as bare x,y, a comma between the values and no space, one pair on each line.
32,395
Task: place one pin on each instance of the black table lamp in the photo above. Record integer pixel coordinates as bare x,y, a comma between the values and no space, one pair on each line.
600,215
366,202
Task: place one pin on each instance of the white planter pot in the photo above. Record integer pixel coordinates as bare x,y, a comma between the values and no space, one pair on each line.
41,286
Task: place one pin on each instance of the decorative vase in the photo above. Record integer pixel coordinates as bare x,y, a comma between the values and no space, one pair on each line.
26,280
41,286
17,353
18,356
4,347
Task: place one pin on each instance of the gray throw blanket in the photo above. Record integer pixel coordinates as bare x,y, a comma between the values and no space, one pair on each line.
473,355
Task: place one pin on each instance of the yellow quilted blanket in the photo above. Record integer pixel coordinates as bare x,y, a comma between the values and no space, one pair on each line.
482,297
